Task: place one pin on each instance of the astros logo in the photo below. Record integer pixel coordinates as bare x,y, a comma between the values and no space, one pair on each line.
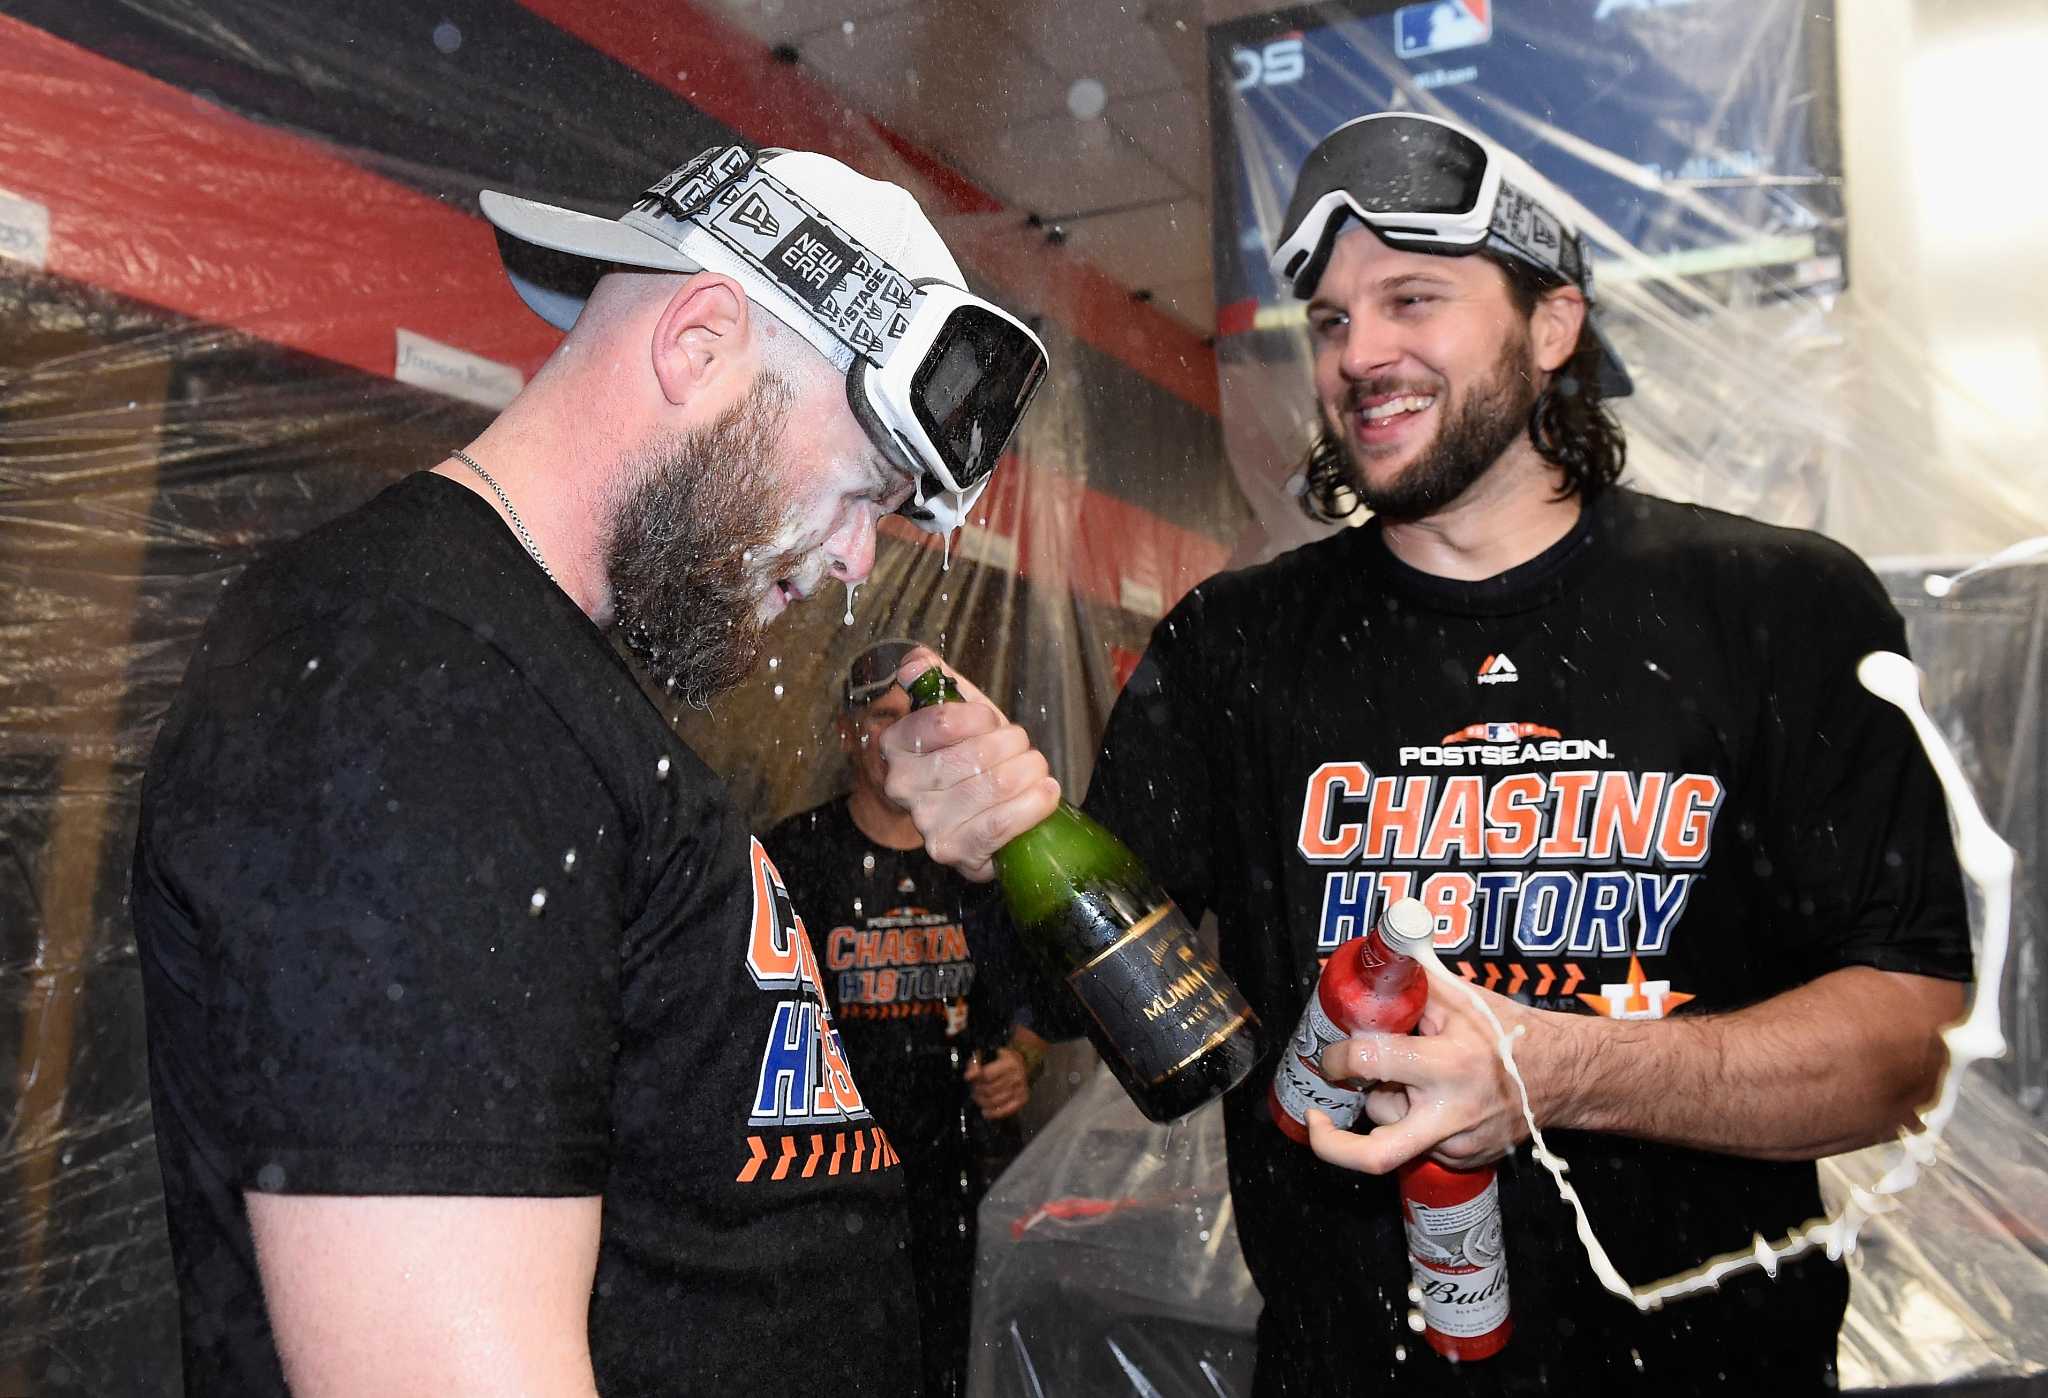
1636,998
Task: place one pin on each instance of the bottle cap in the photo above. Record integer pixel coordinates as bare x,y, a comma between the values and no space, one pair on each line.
1407,927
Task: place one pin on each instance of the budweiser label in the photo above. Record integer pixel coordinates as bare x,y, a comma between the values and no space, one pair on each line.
1158,996
1459,1256
1299,1082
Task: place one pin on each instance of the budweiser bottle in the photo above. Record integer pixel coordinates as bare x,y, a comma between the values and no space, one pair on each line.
1458,1252
1456,1245
1372,982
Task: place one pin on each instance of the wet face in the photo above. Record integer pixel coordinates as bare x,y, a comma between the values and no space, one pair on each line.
860,734
835,488
725,525
1424,371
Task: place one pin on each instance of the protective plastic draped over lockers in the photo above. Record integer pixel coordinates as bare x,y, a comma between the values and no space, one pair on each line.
244,285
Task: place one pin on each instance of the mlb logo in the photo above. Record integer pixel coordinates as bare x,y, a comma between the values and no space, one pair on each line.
1441,25
1500,733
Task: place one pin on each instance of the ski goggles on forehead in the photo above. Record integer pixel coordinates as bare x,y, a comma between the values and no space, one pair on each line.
1420,184
939,378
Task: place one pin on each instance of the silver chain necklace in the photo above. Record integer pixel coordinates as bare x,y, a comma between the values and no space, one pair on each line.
518,524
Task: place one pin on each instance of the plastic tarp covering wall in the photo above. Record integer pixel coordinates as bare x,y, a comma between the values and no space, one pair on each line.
243,286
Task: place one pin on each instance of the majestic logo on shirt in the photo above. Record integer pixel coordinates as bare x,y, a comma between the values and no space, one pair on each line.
803,1078
1635,998
1498,669
1537,864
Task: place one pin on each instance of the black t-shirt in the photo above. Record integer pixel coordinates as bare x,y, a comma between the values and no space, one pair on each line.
430,900
907,949
1635,775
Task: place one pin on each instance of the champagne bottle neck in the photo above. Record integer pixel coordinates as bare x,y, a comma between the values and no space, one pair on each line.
1064,856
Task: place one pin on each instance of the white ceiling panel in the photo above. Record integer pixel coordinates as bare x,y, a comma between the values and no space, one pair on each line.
1172,128
782,21
1057,166
905,67
1149,246
1107,40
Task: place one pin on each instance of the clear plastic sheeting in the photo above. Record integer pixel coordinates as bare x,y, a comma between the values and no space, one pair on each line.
1109,1260
1982,646
1109,1264
244,285
1953,1287
1813,341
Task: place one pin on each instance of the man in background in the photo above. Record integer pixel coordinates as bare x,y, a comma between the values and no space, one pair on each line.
917,966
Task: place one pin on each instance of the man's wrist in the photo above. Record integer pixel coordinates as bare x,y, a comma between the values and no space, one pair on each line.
1033,1056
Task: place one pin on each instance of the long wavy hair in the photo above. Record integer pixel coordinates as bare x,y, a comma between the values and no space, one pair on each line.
1569,425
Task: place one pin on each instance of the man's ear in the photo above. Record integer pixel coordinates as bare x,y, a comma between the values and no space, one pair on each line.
704,333
1554,328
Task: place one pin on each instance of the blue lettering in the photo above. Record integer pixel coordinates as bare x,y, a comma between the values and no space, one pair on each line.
1600,927
1347,909
1495,888
1544,921
783,1092
1662,899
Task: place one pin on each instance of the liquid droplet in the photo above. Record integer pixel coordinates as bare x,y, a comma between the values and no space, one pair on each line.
778,691
569,862
661,770
537,903
867,862
775,662
851,588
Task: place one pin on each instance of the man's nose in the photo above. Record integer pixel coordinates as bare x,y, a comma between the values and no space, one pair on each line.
1371,346
852,546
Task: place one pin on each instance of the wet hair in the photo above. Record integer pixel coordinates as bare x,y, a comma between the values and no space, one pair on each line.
1569,425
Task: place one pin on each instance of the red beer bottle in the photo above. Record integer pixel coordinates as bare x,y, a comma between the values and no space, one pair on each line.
1457,1249
1456,1243
1373,983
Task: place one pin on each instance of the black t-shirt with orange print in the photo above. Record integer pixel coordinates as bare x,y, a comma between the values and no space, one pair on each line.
1634,777
430,900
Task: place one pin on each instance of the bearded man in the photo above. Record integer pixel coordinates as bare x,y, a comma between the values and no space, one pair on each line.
487,1052
1615,744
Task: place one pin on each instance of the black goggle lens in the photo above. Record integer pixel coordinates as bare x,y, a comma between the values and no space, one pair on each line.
972,389
1392,166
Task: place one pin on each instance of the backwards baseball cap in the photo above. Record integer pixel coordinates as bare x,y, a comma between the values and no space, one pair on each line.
1428,185
937,377
873,671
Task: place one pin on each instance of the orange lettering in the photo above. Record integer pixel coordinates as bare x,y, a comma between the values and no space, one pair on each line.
1328,784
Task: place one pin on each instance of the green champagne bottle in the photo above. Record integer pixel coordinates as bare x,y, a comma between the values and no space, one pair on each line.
1171,1026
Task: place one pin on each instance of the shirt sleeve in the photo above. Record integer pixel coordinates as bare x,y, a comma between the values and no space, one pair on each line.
1857,815
1154,777
416,985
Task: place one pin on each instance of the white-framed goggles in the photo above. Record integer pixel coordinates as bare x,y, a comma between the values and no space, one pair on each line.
936,376
1425,185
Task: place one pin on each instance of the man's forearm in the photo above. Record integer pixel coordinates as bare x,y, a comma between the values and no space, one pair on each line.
1830,1066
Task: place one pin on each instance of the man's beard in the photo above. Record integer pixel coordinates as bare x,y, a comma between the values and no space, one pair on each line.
1493,415
689,546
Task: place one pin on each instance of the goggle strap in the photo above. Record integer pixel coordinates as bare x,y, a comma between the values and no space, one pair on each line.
1524,226
862,301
